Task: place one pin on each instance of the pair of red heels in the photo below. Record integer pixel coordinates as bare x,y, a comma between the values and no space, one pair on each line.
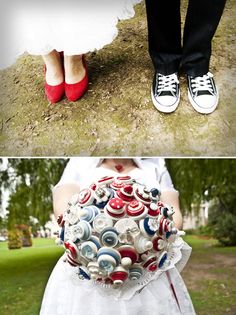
73,92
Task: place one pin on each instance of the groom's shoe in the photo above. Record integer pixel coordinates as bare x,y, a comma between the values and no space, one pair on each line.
203,93
165,92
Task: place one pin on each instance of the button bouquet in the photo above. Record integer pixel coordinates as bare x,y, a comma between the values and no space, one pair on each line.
116,230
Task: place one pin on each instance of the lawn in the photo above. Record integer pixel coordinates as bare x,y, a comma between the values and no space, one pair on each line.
23,276
209,275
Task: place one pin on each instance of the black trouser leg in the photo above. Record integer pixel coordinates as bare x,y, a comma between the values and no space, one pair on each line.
201,22
164,34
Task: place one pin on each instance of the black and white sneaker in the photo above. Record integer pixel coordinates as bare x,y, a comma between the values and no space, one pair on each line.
165,92
202,93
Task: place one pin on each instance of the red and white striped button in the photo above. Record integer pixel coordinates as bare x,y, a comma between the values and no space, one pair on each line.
125,179
107,180
158,243
71,249
164,226
72,261
136,209
117,184
153,210
149,261
143,197
126,193
86,197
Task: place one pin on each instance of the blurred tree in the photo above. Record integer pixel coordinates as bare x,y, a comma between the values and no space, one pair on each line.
223,222
3,223
198,179
29,182
209,179
1,162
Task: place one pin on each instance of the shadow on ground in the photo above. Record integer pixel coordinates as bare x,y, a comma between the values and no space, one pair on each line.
116,117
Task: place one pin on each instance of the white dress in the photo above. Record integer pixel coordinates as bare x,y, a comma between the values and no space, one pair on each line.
66,294
73,26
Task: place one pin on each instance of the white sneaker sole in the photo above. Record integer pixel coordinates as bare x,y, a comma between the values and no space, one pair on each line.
164,108
202,110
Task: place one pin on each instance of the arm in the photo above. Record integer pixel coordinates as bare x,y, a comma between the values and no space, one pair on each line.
172,198
62,194
169,194
67,186
61,197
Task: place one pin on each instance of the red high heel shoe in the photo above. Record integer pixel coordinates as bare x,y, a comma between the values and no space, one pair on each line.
75,91
55,93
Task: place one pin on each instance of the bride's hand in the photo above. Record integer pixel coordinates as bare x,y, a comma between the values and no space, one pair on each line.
172,198
62,195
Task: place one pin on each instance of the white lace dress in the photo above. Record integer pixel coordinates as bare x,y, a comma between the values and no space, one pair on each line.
73,26
160,293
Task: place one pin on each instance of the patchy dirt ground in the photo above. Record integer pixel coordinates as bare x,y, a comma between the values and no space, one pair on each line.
116,117
209,276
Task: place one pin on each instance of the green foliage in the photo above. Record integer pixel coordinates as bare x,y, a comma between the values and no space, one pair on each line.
29,182
14,239
203,179
222,220
3,223
225,230
191,231
19,206
34,229
206,230
209,179
26,235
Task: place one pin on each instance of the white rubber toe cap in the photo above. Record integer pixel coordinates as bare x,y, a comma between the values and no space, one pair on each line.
204,104
165,104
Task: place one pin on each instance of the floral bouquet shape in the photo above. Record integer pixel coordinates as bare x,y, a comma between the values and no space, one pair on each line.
117,230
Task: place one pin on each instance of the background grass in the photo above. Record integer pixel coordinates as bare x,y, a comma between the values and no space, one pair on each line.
23,276
209,275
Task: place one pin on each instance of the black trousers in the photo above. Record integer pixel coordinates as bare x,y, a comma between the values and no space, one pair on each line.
164,34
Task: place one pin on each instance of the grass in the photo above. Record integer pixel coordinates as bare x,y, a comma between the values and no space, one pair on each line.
209,275
23,276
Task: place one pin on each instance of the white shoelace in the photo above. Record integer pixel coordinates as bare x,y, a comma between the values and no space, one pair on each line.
202,83
167,83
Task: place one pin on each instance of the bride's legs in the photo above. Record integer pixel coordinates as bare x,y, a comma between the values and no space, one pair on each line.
54,86
54,66
74,69
76,77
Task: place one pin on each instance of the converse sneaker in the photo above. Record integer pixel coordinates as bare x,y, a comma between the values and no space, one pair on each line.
165,92
202,93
